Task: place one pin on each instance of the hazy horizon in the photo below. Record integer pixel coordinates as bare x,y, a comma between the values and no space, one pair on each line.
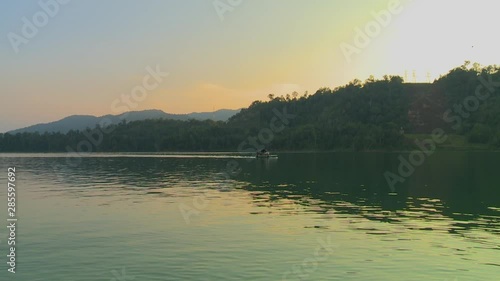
99,116
88,53
365,146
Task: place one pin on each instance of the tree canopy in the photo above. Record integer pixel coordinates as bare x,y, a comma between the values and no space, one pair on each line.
358,116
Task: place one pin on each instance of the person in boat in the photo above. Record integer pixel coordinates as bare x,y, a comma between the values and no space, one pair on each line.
262,152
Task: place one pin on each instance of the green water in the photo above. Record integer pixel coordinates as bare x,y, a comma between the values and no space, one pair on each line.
327,216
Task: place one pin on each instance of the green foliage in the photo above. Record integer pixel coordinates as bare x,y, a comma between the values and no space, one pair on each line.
357,116
480,133
464,84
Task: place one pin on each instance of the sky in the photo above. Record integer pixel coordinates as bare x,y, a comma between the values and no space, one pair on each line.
87,57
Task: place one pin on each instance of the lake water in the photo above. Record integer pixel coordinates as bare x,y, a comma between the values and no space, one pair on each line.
303,216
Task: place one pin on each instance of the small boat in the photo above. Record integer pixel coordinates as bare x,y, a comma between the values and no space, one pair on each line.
265,154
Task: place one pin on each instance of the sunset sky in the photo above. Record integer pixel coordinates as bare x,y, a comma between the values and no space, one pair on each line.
91,52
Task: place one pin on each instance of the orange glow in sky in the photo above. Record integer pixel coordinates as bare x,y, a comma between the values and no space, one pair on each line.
92,52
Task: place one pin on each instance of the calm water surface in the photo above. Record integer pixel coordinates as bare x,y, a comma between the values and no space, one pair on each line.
325,216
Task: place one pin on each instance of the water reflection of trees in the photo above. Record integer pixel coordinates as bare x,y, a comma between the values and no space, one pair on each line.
459,188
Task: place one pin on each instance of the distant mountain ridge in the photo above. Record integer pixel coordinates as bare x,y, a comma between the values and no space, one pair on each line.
81,122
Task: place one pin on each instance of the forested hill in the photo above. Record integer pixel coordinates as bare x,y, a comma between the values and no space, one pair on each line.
372,115
81,122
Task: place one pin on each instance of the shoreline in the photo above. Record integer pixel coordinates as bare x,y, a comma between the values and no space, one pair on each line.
193,153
